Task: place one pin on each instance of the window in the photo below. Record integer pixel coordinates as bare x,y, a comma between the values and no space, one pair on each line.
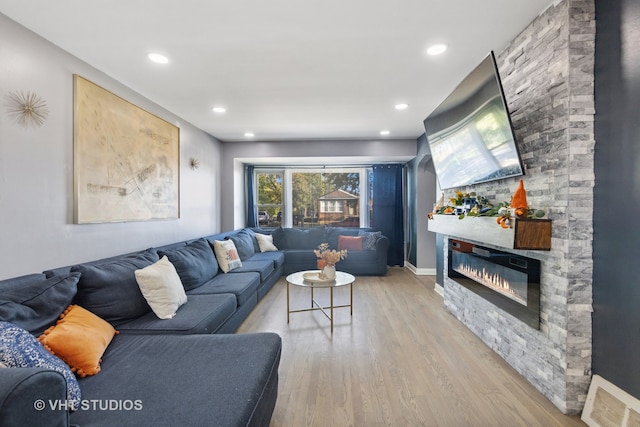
328,206
269,198
313,197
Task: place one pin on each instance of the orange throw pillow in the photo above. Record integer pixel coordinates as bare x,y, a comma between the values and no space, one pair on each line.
351,243
79,338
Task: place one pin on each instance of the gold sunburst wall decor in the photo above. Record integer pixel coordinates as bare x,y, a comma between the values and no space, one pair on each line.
28,109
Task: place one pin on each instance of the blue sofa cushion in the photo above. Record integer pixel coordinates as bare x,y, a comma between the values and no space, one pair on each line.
171,246
20,281
297,238
20,349
276,257
301,256
195,263
277,233
263,267
59,271
213,380
278,237
36,304
244,242
242,285
202,314
252,233
110,290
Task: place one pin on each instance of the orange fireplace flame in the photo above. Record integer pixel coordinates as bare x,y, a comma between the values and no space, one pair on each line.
491,280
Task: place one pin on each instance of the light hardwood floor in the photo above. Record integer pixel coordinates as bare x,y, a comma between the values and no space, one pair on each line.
401,360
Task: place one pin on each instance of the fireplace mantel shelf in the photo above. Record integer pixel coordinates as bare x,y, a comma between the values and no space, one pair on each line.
532,234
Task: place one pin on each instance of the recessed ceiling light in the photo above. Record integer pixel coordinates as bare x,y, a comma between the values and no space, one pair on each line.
437,49
384,132
158,58
249,134
402,106
219,110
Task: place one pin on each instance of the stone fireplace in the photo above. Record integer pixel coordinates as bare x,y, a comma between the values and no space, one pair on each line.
548,80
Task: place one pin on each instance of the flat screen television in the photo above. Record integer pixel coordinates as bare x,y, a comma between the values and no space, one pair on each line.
470,134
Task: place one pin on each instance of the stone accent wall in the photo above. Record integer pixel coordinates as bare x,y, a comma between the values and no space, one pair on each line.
548,78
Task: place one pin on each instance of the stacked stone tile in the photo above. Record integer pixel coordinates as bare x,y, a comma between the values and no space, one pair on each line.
548,78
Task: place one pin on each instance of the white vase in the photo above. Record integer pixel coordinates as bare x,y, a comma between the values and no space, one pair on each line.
329,272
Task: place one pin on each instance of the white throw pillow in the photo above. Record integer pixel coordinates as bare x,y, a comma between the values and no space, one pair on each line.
162,288
227,255
265,241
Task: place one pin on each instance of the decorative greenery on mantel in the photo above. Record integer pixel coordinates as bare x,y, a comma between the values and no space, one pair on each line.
470,204
525,225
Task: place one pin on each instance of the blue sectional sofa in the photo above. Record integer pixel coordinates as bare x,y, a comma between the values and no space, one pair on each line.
297,245
187,370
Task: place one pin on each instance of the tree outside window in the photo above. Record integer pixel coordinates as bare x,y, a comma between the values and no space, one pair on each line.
269,197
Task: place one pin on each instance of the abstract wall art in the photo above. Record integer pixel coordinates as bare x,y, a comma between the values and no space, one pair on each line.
126,160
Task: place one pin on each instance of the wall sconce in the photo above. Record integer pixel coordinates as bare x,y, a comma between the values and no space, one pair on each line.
194,163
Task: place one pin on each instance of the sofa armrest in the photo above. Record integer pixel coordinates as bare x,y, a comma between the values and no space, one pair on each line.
27,394
382,247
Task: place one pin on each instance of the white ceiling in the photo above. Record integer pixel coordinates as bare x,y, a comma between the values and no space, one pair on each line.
284,69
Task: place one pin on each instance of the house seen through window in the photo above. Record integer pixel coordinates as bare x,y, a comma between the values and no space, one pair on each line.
312,198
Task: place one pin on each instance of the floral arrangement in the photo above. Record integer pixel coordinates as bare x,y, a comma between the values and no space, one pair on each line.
470,204
329,256
459,197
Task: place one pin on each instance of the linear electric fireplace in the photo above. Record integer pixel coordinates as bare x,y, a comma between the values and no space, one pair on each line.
509,281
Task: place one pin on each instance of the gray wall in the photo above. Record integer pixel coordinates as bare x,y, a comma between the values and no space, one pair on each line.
36,167
616,292
412,215
236,154
421,245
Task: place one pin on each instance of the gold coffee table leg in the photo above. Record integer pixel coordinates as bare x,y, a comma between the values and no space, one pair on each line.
351,298
331,303
288,311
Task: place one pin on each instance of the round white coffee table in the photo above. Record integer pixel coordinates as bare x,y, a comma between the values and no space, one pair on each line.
310,279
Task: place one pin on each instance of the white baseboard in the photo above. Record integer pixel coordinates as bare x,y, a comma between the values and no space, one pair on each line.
439,289
420,271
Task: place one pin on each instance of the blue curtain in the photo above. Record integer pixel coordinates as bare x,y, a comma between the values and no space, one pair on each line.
251,208
388,210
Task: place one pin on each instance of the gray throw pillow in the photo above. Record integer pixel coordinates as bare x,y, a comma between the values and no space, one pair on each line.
369,239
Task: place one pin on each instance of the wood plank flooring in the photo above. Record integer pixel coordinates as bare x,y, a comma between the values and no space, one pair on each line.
401,360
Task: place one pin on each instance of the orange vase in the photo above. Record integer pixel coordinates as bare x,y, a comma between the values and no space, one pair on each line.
321,264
